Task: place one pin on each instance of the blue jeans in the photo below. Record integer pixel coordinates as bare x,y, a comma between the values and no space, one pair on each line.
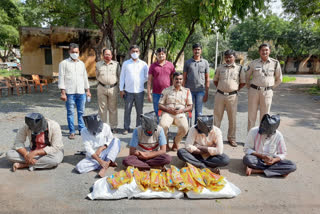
79,100
156,99
197,100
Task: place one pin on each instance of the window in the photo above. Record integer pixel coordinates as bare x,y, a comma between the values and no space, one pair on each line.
48,56
65,53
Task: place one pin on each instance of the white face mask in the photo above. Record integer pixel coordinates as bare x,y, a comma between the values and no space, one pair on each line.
135,55
74,55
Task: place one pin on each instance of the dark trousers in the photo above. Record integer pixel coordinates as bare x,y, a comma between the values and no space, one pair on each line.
137,99
198,161
160,160
282,167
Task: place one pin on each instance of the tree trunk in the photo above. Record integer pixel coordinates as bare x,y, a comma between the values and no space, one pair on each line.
185,42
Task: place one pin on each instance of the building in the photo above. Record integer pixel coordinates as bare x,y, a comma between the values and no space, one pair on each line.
42,49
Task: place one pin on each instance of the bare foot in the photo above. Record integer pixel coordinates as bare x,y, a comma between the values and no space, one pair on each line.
216,170
248,171
284,176
16,166
175,147
113,164
102,172
168,148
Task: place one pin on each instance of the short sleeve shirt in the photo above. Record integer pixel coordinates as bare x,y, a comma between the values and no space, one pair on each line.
107,74
264,74
161,76
179,99
196,71
229,77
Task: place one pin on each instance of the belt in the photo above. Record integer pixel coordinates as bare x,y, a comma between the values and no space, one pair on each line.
227,94
108,86
260,88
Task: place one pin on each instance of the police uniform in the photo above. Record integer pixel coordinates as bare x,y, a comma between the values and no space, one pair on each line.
266,76
228,77
178,99
108,77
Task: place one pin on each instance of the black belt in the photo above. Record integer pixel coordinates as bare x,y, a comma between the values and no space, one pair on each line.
260,88
227,94
108,86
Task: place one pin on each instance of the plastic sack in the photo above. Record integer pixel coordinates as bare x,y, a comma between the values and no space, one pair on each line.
228,191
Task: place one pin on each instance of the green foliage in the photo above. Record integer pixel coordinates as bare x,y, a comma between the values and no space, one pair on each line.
211,73
286,79
303,10
6,73
314,90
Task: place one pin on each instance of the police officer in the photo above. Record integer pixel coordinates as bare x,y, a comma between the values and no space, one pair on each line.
229,79
266,75
174,102
107,73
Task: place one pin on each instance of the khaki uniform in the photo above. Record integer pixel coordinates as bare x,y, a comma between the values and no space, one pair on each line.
170,97
108,75
228,77
266,76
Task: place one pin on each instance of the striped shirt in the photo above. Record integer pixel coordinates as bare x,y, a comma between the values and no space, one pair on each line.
271,146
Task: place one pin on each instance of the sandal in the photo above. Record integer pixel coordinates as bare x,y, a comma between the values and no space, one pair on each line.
72,136
175,147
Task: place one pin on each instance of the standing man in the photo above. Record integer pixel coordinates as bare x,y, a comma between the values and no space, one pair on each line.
160,75
266,76
174,102
74,86
107,74
134,74
196,78
229,79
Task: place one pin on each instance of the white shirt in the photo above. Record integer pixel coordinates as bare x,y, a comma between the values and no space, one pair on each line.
133,76
213,141
73,76
93,142
272,146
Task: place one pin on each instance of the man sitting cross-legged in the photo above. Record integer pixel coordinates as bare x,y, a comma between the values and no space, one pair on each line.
100,145
204,145
148,145
266,150
46,147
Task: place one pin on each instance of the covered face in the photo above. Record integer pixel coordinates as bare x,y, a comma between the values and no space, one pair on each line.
93,123
149,123
204,124
36,122
269,124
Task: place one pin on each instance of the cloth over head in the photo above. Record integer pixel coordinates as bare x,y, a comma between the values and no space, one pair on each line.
93,123
149,123
269,124
204,124
36,122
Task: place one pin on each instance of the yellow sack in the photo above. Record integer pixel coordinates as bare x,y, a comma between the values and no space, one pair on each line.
210,177
138,177
145,179
169,178
190,183
118,179
195,172
177,179
129,172
155,179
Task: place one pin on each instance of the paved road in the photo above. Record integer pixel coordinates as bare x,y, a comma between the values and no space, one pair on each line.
62,190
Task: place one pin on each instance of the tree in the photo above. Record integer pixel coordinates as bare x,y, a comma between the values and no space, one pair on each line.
303,9
10,20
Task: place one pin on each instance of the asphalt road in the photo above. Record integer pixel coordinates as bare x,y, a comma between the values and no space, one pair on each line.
62,190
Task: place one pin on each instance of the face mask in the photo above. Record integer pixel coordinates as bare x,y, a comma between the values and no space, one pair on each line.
74,55
93,123
204,124
36,122
149,123
108,58
135,55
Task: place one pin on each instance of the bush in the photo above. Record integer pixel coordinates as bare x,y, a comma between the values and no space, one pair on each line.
6,73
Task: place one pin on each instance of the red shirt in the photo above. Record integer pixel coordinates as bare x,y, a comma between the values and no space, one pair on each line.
40,141
161,76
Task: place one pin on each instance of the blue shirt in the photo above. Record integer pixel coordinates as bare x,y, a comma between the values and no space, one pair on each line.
135,139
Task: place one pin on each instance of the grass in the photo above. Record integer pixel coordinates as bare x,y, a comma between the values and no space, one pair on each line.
314,90
211,73
288,79
6,73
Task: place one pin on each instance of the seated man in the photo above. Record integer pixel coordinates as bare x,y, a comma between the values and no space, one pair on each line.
148,145
265,149
45,149
204,145
100,145
175,101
